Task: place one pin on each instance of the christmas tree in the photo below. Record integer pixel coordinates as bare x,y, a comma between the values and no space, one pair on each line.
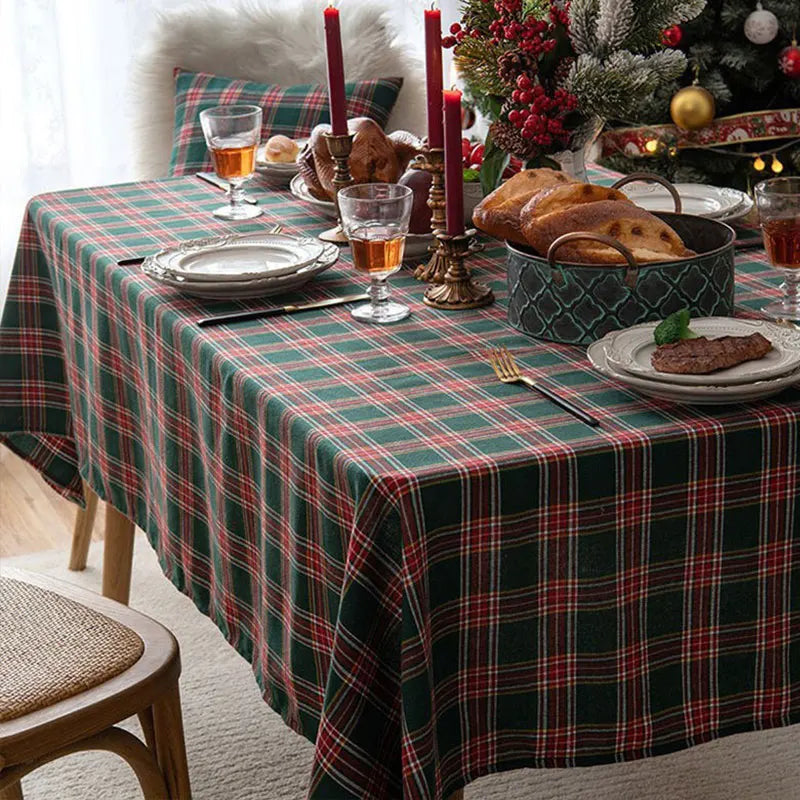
743,54
546,73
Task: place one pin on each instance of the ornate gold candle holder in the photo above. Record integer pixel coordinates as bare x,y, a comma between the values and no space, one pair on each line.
432,160
458,291
339,147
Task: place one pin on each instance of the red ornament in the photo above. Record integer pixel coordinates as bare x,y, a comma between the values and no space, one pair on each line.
789,60
672,36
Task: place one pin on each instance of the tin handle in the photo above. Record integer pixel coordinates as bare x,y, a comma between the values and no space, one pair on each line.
631,274
649,177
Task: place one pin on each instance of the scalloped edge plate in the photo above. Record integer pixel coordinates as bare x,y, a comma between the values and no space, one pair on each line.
630,350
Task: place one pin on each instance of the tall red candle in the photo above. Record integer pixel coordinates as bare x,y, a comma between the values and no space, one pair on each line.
453,172
433,74
336,94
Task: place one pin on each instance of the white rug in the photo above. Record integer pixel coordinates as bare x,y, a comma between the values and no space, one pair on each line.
239,749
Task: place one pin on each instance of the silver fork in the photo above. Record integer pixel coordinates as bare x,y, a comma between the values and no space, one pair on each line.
507,371
133,262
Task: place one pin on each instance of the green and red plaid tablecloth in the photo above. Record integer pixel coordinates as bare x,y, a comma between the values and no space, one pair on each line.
434,575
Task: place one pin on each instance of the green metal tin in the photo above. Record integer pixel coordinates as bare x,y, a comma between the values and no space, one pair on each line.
580,303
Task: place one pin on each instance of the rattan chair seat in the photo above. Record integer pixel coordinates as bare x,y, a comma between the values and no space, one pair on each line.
52,648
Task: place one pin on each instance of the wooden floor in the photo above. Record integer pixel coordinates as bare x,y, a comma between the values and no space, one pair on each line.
32,515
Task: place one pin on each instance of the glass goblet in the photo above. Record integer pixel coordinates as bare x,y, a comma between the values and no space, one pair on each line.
778,201
375,218
232,135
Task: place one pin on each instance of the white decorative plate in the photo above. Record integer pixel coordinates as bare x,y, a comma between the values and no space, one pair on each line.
700,199
298,188
244,289
630,351
690,395
239,257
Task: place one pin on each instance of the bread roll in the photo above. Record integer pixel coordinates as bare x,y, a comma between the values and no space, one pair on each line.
568,194
281,149
498,214
646,236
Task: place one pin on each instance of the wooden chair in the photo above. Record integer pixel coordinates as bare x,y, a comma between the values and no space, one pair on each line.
74,664
82,532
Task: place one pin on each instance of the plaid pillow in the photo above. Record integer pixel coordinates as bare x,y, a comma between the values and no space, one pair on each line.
290,110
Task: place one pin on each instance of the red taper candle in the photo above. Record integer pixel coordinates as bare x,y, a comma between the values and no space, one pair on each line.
453,171
433,74
336,95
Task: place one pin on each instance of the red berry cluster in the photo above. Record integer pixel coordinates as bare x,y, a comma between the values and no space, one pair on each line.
532,36
535,107
541,116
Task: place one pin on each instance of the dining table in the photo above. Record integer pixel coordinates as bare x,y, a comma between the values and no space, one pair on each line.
434,575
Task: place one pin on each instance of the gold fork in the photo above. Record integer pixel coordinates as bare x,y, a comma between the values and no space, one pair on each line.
507,370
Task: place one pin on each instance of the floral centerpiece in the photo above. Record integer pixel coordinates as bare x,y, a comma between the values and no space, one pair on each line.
548,73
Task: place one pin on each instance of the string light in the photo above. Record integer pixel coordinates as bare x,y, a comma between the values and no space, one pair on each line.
673,151
651,146
759,164
776,165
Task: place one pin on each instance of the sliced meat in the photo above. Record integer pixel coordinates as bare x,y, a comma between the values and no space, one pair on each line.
700,356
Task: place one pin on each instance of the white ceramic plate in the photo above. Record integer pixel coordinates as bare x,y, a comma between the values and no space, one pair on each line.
240,257
690,395
278,166
630,351
699,199
298,188
244,289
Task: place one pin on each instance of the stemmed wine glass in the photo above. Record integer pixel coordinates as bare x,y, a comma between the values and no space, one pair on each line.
778,201
232,135
375,217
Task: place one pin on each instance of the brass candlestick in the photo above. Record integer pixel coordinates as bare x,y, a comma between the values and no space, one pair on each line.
432,160
339,147
459,291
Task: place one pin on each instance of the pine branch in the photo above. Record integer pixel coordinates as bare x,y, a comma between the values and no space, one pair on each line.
613,88
583,14
654,16
614,20
476,61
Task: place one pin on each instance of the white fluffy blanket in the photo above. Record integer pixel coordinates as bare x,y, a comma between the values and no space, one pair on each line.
268,41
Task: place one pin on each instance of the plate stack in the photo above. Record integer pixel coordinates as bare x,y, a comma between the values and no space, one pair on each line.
625,356
241,266
699,199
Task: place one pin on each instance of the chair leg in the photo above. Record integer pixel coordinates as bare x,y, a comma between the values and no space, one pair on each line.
13,792
117,556
148,727
82,532
170,746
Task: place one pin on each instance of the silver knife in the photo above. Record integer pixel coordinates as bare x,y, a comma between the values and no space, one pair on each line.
215,180
258,313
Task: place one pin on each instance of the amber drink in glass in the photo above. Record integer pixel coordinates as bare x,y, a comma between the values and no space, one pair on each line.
232,135
375,217
778,202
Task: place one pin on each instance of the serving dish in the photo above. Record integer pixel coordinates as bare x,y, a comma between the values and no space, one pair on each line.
699,199
580,303
239,257
706,395
630,351
297,186
242,289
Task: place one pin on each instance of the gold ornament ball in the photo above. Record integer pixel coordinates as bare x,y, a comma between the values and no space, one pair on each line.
692,108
